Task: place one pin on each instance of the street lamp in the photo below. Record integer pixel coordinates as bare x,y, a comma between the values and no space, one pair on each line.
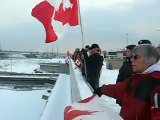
126,39
158,30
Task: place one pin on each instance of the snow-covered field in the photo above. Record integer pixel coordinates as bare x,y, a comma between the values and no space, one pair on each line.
19,104
24,65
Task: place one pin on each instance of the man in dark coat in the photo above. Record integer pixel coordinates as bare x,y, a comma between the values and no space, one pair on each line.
94,64
83,67
126,69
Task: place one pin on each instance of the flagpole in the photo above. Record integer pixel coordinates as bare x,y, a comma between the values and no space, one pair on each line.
83,45
80,23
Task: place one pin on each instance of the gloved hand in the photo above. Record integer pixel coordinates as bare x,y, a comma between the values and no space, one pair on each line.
98,91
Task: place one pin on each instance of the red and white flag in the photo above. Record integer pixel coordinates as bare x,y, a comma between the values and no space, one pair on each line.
91,108
78,62
47,13
44,12
69,56
68,15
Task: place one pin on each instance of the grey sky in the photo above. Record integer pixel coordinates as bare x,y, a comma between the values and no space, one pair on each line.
105,22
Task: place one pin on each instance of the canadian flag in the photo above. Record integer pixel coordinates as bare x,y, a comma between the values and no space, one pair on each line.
68,15
69,56
47,12
78,62
91,108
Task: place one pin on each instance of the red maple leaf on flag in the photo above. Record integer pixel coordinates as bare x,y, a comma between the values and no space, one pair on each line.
62,15
70,113
44,12
77,62
69,55
68,15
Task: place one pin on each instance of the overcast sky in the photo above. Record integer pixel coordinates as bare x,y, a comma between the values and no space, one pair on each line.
106,22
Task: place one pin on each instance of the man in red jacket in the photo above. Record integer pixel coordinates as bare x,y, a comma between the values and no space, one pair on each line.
136,92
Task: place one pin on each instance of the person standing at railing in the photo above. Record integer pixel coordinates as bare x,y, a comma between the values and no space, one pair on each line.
126,69
83,66
137,92
94,64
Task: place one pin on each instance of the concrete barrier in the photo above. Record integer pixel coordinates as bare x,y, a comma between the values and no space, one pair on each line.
59,99
55,67
80,89
113,63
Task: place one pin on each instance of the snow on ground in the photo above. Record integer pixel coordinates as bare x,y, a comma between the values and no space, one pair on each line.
22,105
25,65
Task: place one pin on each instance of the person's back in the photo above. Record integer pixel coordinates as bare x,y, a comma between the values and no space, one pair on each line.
94,64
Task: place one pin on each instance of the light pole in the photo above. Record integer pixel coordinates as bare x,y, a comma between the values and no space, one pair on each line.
126,39
158,30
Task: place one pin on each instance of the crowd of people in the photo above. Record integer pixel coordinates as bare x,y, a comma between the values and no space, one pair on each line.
137,88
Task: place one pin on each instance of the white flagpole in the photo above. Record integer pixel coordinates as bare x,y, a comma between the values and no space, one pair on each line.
80,20
83,43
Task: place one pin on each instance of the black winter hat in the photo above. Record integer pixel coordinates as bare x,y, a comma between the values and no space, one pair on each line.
130,47
87,46
94,46
145,41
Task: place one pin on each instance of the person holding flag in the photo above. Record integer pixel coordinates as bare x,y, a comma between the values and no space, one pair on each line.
136,93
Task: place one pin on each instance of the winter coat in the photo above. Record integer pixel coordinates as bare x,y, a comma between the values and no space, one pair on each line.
93,68
93,64
135,94
125,71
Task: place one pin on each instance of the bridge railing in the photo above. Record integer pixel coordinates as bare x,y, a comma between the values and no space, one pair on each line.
68,89
58,100
80,89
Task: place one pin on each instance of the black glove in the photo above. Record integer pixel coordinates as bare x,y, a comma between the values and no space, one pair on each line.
98,91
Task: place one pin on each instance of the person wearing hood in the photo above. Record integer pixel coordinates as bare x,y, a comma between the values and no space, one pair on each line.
136,92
